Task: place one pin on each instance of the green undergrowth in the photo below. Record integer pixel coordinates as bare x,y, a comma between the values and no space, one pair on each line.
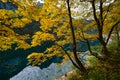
108,69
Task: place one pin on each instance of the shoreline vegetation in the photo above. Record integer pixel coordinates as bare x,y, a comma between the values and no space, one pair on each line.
102,70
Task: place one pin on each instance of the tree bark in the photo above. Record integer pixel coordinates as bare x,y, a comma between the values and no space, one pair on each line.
82,68
99,20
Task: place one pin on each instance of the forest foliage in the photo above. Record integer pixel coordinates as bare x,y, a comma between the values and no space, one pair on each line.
63,22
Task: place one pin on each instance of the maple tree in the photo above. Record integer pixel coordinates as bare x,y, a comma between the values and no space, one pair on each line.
58,24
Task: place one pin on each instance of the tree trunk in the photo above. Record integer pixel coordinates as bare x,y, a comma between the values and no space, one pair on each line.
104,49
82,68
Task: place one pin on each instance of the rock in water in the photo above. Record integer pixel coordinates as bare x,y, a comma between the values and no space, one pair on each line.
28,73
49,73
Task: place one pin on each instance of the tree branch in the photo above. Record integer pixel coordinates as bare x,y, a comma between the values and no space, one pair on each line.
69,56
111,30
94,12
107,12
101,13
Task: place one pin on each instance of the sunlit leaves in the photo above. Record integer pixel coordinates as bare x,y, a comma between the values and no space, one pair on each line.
47,24
9,37
4,0
5,43
112,17
9,20
36,58
55,50
19,23
6,38
20,40
54,25
41,36
6,16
